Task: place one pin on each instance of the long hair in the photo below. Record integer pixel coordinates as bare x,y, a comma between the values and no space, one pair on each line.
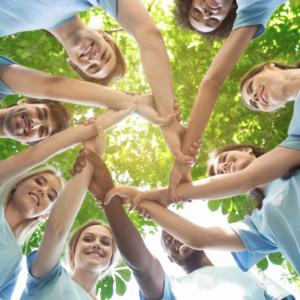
7,189
259,68
74,241
118,71
256,193
182,12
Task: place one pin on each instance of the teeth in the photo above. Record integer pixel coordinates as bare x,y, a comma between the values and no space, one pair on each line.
35,198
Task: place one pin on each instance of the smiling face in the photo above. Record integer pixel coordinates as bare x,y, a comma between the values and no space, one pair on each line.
232,161
94,249
176,251
92,54
267,90
35,195
29,122
207,15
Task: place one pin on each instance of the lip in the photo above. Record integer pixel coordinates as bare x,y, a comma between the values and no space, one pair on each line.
99,253
35,198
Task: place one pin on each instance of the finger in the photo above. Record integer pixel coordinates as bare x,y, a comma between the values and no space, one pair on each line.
166,120
136,201
182,158
109,195
174,181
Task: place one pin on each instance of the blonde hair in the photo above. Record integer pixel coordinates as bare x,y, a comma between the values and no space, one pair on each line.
27,227
74,241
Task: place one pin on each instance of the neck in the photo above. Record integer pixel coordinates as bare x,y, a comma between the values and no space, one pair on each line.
13,216
3,113
292,83
66,32
87,280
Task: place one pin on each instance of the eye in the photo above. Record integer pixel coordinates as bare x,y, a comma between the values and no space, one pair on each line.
253,103
88,239
196,13
39,181
106,241
51,197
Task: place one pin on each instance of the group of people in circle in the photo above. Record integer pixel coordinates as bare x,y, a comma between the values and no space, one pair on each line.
31,195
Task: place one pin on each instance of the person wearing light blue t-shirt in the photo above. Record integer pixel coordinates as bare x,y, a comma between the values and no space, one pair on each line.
19,216
93,53
237,169
202,279
238,21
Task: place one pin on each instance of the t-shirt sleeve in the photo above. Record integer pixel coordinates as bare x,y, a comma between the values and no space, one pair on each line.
168,293
257,246
4,89
256,13
293,139
34,284
110,6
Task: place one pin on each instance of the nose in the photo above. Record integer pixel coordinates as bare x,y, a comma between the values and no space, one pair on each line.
206,12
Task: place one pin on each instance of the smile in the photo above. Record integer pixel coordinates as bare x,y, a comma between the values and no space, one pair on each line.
35,198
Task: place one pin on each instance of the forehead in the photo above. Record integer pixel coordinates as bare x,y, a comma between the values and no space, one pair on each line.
97,230
52,180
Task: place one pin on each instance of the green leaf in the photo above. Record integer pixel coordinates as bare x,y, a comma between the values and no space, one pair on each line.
120,286
276,258
125,274
263,264
214,205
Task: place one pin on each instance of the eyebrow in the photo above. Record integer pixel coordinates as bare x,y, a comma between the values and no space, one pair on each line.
249,87
91,233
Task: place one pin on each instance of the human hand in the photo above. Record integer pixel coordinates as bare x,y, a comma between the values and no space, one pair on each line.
182,172
145,106
96,144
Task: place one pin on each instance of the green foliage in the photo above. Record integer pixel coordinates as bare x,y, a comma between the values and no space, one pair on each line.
136,153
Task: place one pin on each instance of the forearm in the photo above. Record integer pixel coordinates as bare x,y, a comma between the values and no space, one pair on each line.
36,84
190,234
127,237
42,151
60,222
226,59
157,70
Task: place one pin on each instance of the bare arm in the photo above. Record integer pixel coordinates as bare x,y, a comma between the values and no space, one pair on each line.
59,142
135,19
210,86
194,236
36,84
60,222
146,268
26,160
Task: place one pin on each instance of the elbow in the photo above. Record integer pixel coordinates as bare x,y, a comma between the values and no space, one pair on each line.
149,36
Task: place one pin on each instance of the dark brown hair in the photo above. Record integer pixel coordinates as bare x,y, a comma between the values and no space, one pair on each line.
118,71
75,238
58,112
259,68
182,12
256,193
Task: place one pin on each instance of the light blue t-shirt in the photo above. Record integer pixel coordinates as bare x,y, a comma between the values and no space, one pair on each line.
276,226
4,89
168,293
10,258
19,15
55,285
255,12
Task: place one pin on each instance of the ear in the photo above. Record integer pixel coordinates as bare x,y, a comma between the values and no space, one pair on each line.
270,66
21,101
248,150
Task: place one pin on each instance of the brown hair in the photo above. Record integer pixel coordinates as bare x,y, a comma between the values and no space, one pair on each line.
58,112
259,68
118,71
182,12
74,241
256,193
